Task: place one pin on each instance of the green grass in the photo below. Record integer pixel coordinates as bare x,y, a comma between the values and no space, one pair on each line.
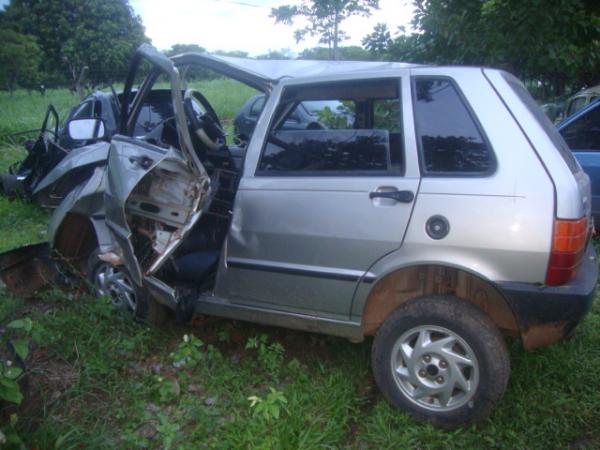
226,96
100,380
22,111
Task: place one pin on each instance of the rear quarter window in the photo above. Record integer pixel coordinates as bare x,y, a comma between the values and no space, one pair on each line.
450,139
575,105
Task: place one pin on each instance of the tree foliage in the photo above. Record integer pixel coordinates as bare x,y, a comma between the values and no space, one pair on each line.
72,34
379,41
20,58
554,42
324,18
284,53
347,53
176,49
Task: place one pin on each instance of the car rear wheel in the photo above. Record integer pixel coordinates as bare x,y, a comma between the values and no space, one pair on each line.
442,360
114,283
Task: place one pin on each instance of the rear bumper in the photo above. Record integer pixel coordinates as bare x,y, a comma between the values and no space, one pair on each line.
546,314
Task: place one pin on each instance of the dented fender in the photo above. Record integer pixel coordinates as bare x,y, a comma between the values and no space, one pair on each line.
86,200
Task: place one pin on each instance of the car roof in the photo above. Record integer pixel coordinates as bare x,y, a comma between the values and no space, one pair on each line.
265,72
585,92
572,118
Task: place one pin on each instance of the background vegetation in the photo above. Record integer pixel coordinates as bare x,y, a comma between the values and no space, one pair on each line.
553,45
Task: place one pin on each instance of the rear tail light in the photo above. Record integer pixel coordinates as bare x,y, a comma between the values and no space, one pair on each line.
568,246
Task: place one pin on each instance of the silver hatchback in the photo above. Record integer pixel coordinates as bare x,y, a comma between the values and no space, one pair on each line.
435,209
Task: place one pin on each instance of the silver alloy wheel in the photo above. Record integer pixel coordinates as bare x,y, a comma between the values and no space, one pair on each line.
113,283
435,368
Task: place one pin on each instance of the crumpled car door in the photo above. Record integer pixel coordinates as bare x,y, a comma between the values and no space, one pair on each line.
157,187
128,161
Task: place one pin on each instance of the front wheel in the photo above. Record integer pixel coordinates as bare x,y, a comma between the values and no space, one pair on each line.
442,360
115,284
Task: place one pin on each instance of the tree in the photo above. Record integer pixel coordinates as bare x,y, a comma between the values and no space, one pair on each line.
379,41
193,72
20,58
184,48
72,34
402,47
234,53
349,53
284,53
324,17
555,43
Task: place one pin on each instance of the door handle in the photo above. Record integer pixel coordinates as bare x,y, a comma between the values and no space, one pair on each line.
399,196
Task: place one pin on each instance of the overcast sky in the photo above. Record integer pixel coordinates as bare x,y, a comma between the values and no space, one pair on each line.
246,25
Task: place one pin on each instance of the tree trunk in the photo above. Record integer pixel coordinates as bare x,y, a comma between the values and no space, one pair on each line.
336,26
80,83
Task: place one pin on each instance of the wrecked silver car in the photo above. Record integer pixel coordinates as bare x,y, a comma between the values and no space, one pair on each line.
406,215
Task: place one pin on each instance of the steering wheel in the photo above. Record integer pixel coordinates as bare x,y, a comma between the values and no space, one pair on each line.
203,120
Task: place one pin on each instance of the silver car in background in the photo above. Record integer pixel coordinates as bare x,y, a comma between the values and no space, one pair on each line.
438,213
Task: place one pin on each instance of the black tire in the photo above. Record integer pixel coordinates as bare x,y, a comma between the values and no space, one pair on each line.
145,308
479,341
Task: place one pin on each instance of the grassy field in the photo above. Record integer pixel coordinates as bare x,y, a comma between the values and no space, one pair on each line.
99,380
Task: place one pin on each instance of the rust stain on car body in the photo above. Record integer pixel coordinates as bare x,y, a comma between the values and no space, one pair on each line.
542,335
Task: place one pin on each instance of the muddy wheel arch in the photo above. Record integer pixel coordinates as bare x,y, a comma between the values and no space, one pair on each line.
75,239
408,283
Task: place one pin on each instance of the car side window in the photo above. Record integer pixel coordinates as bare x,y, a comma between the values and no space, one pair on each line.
450,140
575,105
84,111
584,132
343,129
257,107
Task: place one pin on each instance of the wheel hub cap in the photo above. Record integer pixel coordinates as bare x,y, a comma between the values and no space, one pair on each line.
435,368
113,283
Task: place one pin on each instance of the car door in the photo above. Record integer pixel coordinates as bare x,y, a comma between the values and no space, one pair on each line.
129,161
321,206
176,179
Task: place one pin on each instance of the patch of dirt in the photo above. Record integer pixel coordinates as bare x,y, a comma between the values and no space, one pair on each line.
590,441
301,345
46,381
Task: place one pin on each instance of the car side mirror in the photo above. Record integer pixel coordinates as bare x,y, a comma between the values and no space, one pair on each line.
86,129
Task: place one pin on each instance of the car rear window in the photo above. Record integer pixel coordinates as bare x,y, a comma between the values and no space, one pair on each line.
544,122
583,133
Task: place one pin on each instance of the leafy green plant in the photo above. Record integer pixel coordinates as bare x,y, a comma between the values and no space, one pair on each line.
213,354
167,431
223,336
10,374
337,119
188,352
270,407
168,389
270,355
